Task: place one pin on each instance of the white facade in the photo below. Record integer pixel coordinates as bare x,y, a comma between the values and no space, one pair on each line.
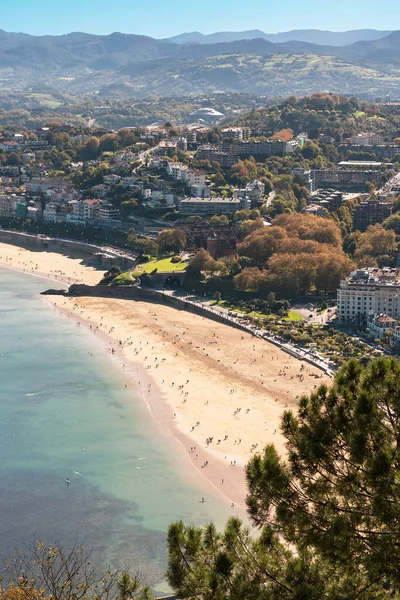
381,326
368,292
177,170
194,177
50,212
367,139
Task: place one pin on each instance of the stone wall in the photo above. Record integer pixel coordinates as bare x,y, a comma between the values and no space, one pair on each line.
147,295
26,240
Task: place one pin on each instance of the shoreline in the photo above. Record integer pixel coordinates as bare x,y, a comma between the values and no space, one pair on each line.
234,487
239,385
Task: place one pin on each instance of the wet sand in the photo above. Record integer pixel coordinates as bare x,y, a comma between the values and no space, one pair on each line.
218,391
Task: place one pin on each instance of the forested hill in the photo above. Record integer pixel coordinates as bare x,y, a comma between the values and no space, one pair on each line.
322,112
122,65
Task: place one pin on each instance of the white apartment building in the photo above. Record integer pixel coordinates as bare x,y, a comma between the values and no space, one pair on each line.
367,292
177,170
367,139
194,177
50,213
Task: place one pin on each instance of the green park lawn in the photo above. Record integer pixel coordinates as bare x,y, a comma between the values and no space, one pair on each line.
163,265
294,316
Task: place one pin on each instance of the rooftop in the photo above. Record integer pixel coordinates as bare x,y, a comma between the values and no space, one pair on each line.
375,275
211,200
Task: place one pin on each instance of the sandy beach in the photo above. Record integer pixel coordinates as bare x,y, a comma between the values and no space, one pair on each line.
220,392
64,268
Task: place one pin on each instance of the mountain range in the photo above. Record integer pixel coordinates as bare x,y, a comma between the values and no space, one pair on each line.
127,65
313,36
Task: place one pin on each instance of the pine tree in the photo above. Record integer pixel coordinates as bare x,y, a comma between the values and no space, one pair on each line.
328,512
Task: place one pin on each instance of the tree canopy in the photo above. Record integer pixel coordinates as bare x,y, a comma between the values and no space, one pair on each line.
328,512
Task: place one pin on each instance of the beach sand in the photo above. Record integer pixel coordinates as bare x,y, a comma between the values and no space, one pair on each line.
219,391
68,268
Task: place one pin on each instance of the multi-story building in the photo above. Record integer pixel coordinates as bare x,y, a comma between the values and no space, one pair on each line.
212,206
177,170
370,212
194,177
214,154
84,211
51,213
367,139
347,179
269,148
238,133
109,216
253,192
381,325
381,151
329,199
367,292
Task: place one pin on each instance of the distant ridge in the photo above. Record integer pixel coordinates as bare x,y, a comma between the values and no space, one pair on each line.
312,36
129,65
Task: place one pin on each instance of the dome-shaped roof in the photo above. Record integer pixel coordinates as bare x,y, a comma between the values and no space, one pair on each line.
206,112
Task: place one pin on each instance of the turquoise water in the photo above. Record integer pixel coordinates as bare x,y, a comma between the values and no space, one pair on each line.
65,413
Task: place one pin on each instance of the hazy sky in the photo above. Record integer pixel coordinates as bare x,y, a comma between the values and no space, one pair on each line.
163,18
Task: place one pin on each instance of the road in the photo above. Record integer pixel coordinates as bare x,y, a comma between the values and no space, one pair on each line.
393,185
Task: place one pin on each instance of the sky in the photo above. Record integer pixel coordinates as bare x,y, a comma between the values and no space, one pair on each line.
164,18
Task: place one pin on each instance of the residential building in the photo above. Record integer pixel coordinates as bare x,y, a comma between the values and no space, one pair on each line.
369,291
13,171
212,206
314,209
191,137
268,148
329,199
84,211
381,151
381,325
10,146
177,171
8,206
253,192
346,179
108,211
367,139
214,154
238,133
194,177
111,179
51,213
370,212
39,186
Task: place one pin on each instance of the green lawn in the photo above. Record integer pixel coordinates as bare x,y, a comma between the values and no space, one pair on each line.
123,279
164,265
294,316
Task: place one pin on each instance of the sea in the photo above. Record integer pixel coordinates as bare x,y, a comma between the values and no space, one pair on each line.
67,415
